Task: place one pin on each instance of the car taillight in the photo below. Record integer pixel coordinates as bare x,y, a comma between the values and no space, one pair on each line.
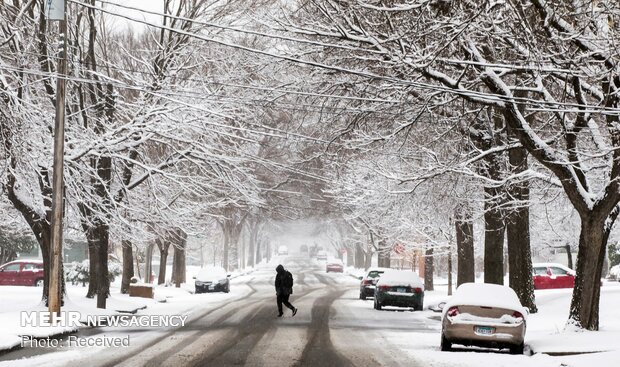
417,290
517,315
365,282
384,287
453,311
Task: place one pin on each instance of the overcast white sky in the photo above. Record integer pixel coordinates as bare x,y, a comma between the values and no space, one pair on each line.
150,5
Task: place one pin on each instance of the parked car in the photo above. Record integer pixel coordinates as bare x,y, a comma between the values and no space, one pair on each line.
282,250
334,265
22,272
321,255
550,275
401,288
484,315
212,278
368,282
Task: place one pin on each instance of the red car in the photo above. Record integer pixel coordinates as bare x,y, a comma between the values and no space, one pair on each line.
22,272
335,266
550,275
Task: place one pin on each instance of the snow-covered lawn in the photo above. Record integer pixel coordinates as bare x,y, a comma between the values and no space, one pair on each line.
545,335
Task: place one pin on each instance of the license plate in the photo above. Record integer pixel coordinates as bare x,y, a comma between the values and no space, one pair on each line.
484,330
401,290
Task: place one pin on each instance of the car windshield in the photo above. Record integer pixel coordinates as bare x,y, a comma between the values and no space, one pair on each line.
375,273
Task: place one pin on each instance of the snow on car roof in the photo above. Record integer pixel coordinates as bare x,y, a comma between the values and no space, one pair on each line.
212,270
556,265
486,295
393,277
37,261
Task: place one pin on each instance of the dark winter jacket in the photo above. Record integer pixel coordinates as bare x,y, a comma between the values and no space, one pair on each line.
281,287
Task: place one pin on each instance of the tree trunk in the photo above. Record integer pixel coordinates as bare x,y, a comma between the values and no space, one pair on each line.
163,244
350,256
93,255
148,262
584,308
103,286
428,270
493,238
449,273
359,257
518,234
569,256
383,255
465,261
252,245
127,266
226,254
178,260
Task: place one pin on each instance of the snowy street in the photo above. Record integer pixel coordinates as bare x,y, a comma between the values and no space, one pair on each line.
332,328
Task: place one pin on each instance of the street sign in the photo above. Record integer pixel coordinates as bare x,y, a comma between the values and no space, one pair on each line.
55,9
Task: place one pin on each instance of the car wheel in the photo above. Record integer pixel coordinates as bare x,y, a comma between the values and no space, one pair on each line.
38,283
362,296
227,290
417,308
377,305
517,349
446,346
197,291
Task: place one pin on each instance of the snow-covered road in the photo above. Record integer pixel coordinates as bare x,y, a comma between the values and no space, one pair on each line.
332,328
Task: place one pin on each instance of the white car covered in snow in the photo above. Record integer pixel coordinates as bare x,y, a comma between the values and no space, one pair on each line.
212,279
485,315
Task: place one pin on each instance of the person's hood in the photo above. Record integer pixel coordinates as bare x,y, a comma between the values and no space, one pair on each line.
280,268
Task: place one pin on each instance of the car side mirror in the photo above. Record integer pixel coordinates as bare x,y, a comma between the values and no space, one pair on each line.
228,275
193,277
360,278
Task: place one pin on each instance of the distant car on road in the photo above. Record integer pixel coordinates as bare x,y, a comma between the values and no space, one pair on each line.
212,279
282,250
321,255
401,288
368,281
550,275
335,266
484,315
22,272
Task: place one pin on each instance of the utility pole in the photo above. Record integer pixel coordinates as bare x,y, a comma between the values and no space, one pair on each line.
57,10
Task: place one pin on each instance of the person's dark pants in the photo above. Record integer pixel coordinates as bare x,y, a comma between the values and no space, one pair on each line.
283,298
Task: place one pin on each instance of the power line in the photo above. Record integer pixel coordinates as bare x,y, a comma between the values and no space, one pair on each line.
483,97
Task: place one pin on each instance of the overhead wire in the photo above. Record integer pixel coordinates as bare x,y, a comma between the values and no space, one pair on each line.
489,97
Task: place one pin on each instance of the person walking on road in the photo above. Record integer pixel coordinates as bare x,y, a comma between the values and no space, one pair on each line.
284,289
